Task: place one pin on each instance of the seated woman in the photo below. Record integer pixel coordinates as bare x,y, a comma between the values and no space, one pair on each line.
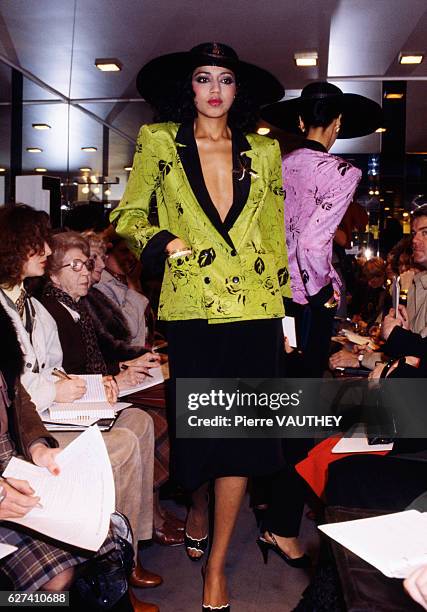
24,249
120,281
37,564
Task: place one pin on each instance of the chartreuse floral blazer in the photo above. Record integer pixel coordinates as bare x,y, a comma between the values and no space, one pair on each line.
238,275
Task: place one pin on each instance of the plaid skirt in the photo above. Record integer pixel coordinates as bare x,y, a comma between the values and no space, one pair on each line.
38,558
152,400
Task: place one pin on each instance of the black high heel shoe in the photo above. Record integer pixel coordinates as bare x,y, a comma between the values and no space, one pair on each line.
199,546
265,546
205,607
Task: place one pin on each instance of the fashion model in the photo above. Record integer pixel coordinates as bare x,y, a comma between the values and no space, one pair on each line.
204,203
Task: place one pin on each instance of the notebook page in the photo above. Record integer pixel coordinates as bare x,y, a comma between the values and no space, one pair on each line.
157,376
396,544
95,391
86,481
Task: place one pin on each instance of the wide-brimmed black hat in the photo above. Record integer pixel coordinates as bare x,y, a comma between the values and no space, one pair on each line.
161,79
360,116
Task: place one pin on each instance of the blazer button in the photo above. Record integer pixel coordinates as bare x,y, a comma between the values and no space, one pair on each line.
207,280
233,253
29,365
235,279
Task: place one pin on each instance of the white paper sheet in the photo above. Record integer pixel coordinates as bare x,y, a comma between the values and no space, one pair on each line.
78,503
396,544
356,441
6,549
157,376
95,390
289,332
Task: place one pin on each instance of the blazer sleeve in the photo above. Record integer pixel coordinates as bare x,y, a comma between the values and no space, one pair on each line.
131,218
336,182
403,342
28,426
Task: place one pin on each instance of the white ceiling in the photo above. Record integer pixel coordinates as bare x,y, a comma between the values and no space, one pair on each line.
353,38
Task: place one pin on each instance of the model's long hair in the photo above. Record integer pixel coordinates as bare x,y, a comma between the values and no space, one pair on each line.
243,115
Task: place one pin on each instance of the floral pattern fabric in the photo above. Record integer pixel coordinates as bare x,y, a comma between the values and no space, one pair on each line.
216,282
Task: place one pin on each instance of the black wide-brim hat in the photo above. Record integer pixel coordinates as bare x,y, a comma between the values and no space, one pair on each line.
360,116
161,79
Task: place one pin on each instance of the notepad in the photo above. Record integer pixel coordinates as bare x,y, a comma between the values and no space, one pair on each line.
79,411
157,376
289,332
396,544
95,390
356,441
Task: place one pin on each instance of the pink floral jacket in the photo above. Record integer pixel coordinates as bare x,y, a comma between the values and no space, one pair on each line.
319,188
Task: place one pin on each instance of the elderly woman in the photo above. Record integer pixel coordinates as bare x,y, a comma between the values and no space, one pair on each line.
24,249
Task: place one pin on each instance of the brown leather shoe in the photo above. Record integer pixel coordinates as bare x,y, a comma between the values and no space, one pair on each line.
166,535
174,521
142,578
141,606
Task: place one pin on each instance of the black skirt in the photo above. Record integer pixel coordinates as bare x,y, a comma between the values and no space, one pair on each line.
246,349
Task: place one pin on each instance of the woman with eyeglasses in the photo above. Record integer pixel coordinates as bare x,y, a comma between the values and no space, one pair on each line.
25,248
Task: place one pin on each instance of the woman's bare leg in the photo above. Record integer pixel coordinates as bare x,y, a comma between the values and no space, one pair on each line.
229,493
198,521
60,582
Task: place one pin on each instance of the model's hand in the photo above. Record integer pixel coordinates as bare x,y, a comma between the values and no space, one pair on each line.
176,245
70,390
19,499
44,456
416,586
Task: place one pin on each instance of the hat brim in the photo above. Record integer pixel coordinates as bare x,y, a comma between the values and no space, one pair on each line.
360,116
161,79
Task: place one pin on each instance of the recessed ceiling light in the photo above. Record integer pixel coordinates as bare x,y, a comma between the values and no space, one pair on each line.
406,214
85,169
41,126
2,169
127,168
306,59
394,95
89,149
411,58
108,64
34,150
386,208
381,130
40,169
263,131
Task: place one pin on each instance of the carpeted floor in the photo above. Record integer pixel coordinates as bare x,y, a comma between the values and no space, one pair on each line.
254,587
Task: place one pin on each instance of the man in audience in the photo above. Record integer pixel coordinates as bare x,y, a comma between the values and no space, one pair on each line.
416,313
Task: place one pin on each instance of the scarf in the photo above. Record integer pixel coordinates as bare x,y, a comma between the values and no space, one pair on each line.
95,363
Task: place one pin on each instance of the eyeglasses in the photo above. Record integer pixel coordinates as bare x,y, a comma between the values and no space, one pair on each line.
77,265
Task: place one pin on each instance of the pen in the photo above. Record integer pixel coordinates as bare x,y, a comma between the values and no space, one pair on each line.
60,374
126,367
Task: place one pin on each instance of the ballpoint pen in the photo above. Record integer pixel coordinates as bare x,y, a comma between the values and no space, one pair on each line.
60,374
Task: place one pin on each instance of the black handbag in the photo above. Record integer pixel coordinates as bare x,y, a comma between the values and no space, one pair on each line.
105,580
